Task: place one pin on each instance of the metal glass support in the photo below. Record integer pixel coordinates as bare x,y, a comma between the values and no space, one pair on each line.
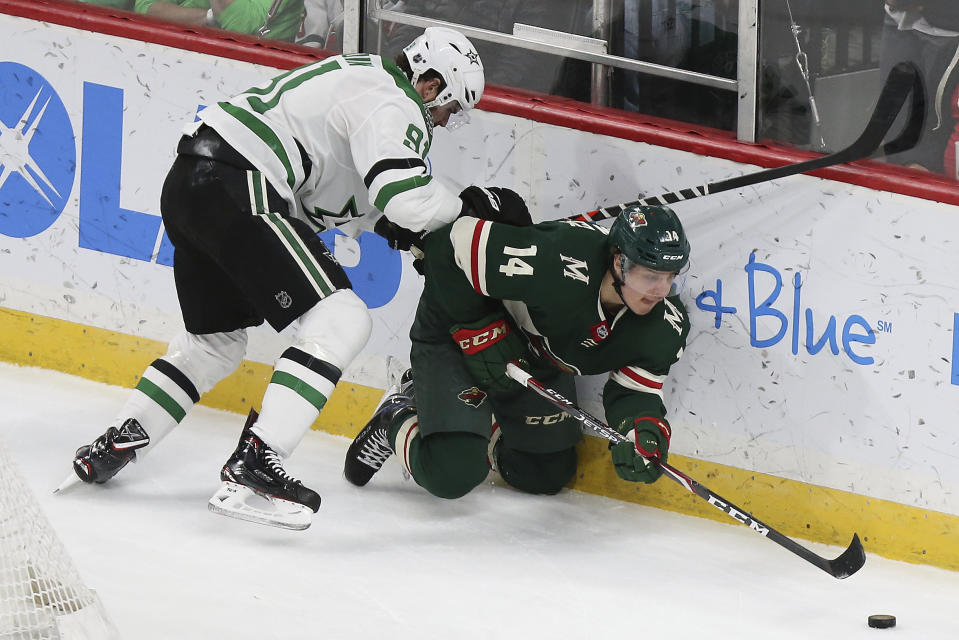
351,26
599,79
747,70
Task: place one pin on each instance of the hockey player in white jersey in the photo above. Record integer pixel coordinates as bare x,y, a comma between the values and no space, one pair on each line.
340,142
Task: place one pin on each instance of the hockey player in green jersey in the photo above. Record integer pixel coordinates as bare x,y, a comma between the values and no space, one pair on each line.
339,143
563,298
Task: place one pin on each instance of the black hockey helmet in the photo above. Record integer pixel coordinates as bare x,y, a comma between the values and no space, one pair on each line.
651,236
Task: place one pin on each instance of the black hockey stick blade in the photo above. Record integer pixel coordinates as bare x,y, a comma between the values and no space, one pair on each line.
848,563
909,136
902,80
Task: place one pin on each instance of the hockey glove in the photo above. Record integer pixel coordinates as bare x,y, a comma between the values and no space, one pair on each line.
487,345
496,204
648,438
402,239
399,238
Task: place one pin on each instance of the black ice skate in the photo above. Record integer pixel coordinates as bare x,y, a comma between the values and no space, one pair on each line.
371,447
257,488
100,461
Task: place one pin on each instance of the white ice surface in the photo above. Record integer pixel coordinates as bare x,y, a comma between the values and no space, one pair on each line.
391,561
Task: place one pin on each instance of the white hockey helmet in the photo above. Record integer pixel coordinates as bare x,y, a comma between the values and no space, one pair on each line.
451,55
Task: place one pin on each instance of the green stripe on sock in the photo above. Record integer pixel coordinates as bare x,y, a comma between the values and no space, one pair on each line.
162,398
307,392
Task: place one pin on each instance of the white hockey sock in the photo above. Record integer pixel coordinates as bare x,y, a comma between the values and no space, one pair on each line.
298,390
171,385
163,396
404,441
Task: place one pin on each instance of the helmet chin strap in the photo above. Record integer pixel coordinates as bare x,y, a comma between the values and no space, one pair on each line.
618,281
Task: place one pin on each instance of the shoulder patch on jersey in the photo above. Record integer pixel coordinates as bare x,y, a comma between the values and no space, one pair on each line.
600,331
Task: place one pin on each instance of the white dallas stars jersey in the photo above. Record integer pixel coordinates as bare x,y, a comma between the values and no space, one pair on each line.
365,134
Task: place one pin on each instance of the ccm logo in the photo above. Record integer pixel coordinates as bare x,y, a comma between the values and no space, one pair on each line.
475,340
553,419
669,257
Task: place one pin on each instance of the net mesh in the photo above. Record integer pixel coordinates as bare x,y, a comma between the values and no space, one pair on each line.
42,596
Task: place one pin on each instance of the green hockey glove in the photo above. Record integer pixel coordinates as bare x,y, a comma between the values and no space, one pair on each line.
648,440
487,345
496,204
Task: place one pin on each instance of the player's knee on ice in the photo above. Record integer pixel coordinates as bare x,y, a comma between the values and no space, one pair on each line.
451,464
545,473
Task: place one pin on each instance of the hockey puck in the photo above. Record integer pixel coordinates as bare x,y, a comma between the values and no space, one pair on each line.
882,621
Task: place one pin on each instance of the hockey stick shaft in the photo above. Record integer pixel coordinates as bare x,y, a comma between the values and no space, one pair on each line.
850,561
902,80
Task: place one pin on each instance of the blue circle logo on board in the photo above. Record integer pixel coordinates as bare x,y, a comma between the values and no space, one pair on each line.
38,154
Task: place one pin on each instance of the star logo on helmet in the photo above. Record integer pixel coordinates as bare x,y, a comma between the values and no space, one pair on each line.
637,219
473,57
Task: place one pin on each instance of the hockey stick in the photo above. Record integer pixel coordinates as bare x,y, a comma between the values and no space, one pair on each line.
848,563
903,79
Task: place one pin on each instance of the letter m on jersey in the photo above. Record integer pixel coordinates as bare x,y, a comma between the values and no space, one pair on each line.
673,316
575,269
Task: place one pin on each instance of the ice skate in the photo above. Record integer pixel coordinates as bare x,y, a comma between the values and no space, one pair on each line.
101,460
256,488
371,447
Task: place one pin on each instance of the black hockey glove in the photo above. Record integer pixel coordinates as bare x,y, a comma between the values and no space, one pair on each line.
648,438
402,239
487,345
496,204
399,238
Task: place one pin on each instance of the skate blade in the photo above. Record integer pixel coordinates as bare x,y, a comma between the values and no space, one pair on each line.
70,481
394,377
395,368
237,501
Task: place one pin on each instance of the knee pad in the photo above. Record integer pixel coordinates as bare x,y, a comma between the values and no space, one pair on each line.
451,464
329,337
207,358
541,473
335,329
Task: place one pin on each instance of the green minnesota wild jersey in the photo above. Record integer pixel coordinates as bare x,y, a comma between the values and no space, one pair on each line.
341,139
548,278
